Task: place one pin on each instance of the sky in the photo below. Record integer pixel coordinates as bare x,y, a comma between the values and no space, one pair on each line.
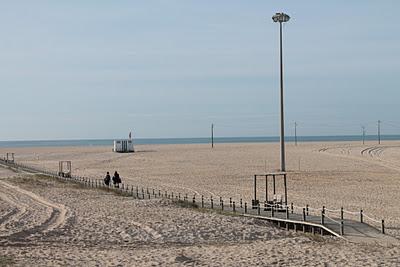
169,68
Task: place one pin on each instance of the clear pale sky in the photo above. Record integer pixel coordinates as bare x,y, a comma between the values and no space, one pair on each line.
170,68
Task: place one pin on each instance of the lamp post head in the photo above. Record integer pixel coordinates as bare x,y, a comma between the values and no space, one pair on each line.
280,17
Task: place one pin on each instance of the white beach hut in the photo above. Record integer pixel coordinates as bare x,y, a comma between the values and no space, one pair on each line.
123,146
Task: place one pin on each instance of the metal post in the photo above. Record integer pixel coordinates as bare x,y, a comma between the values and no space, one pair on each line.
285,185
266,188
255,189
212,135
363,134
383,226
341,213
273,184
282,137
323,215
245,207
304,214
379,132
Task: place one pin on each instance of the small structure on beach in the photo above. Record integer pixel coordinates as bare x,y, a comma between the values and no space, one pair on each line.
276,199
9,158
123,146
64,169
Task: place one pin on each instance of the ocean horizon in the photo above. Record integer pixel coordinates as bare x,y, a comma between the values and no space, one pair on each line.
195,140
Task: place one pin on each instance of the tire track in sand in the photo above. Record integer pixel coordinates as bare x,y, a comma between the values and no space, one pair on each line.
56,219
370,154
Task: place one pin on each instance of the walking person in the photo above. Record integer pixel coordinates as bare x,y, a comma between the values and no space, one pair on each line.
116,179
107,179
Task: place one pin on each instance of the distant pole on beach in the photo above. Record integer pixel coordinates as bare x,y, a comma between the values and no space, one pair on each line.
379,132
281,18
363,134
295,133
212,135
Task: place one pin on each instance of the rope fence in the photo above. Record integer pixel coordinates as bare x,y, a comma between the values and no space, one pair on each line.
300,213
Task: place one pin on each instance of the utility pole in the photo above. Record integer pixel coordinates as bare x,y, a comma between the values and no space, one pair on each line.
212,135
295,133
379,132
363,134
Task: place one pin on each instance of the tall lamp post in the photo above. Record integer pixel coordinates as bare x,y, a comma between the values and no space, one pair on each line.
281,18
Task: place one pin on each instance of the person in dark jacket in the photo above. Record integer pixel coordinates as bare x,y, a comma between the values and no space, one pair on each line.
107,179
116,179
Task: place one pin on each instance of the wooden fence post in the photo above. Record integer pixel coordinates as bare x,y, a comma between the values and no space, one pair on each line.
341,213
245,207
323,216
287,214
212,203
361,216
341,227
383,226
304,214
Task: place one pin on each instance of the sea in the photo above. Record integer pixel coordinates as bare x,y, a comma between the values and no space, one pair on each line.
198,140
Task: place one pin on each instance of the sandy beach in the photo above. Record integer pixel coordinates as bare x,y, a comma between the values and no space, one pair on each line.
55,223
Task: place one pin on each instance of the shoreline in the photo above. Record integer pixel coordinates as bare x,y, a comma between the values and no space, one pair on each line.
189,141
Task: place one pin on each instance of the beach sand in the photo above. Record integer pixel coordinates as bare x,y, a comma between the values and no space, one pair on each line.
54,223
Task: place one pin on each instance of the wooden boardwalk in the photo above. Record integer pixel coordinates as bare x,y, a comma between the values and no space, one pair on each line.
351,229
